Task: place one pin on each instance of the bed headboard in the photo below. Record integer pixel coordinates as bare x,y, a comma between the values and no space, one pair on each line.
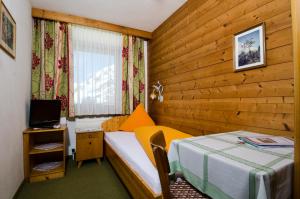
114,123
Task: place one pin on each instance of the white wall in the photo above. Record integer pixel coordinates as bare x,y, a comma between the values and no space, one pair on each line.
15,78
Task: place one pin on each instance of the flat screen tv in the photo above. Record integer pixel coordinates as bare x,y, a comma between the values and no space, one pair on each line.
44,113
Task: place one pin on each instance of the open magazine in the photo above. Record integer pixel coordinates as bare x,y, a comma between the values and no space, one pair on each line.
268,141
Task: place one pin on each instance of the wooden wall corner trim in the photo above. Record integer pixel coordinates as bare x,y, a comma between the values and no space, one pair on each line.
296,49
51,15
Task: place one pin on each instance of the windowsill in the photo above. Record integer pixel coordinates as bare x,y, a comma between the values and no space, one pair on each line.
97,116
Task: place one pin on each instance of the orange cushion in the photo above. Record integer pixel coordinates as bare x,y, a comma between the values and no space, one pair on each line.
143,135
138,118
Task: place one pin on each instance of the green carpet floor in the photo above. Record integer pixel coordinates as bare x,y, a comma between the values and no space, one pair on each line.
89,182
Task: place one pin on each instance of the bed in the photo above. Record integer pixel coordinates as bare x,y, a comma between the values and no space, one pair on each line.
136,172
142,180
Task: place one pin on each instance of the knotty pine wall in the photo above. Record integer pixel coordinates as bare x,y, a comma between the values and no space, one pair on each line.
191,55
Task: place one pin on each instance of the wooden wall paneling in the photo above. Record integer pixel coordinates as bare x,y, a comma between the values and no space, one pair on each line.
273,72
191,54
275,121
282,88
223,25
296,42
191,31
276,23
188,51
185,10
51,15
274,56
208,11
274,39
210,127
262,105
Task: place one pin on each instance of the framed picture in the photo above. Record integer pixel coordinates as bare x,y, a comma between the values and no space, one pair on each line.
249,48
7,31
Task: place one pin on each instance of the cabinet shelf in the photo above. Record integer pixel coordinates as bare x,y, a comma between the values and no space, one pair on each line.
56,170
34,151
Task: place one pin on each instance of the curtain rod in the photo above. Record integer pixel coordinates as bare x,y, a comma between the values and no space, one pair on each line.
57,16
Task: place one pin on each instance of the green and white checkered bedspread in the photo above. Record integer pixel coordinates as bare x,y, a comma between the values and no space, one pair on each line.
221,167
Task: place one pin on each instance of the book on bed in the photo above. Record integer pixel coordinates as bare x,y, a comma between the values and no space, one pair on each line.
268,141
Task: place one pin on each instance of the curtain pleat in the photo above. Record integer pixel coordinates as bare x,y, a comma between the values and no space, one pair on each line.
125,75
133,76
71,74
50,62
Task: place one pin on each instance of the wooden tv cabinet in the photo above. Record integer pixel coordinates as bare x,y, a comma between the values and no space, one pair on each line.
33,157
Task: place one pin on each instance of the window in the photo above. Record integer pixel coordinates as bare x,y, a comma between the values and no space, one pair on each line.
97,59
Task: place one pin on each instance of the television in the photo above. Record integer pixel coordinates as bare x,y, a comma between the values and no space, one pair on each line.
44,113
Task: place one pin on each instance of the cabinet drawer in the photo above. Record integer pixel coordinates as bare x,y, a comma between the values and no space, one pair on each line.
49,176
87,135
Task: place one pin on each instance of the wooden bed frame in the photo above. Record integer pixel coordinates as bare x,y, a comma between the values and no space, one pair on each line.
134,183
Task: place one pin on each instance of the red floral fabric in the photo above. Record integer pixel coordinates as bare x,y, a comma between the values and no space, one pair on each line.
48,41
35,61
50,62
48,82
133,84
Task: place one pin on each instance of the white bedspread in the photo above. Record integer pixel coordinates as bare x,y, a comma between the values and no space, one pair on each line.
222,168
129,149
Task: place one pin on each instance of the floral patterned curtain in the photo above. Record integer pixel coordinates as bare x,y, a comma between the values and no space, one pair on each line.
50,67
133,77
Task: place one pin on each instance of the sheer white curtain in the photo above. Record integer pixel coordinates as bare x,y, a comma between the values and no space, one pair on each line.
97,60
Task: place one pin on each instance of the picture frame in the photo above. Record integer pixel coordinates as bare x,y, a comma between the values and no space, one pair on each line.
249,49
7,31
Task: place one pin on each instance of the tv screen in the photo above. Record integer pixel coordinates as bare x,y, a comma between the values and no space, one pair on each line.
44,113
